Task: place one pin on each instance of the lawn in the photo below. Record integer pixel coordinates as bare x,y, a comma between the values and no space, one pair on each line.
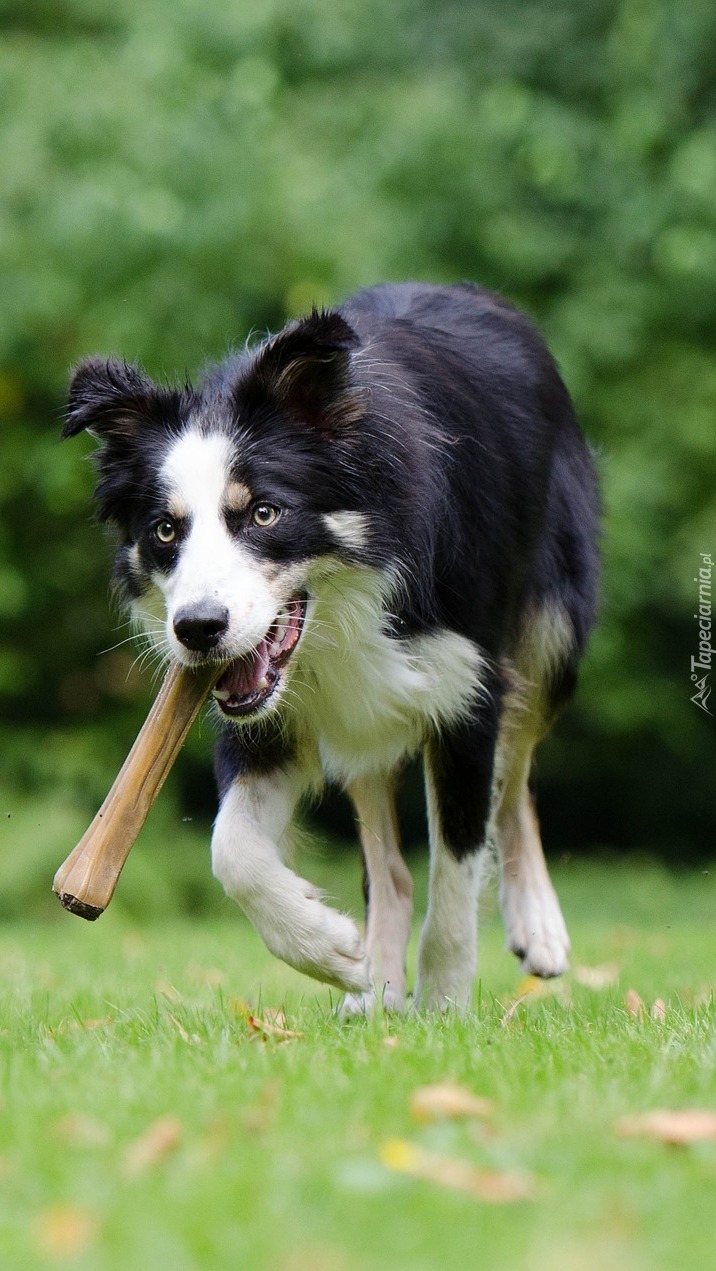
149,1120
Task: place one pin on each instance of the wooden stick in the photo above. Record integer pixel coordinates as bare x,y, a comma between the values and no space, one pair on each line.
86,881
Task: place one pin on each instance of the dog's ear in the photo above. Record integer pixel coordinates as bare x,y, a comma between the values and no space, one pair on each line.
109,398
306,369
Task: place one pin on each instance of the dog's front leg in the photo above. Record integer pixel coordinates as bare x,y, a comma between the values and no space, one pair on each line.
458,779
248,855
389,894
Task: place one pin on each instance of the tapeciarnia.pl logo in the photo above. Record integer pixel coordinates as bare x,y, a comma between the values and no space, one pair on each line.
701,665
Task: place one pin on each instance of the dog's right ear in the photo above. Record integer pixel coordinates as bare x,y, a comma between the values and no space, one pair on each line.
108,397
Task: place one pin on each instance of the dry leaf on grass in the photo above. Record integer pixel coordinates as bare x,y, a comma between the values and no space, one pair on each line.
496,1186
191,1038
678,1127
158,1140
445,1100
168,991
634,1004
208,975
81,1130
391,1042
262,1115
658,1011
266,1029
597,977
65,1231
274,1015
533,989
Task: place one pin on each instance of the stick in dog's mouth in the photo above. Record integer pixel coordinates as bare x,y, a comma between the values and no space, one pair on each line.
247,682
86,881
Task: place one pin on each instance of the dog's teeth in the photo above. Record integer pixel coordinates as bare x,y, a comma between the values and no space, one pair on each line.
281,629
221,694
263,682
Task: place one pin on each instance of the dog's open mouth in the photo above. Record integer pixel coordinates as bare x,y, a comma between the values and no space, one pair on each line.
247,682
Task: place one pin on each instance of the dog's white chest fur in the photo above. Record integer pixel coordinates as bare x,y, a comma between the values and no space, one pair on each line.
365,699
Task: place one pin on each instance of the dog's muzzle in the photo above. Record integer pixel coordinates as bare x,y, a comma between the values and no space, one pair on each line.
248,682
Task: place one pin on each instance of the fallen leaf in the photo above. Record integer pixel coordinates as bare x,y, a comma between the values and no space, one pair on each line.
262,1115
151,1147
192,1038
239,1006
314,1257
685,1125
495,1186
658,1011
445,1100
534,989
597,977
634,1004
81,1130
133,946
391,1042
266,1029
213,1142
207,975
531,987
274,1015
65,1231
529,984
168,991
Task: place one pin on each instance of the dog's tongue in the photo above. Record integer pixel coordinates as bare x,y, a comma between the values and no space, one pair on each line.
256,672
245,675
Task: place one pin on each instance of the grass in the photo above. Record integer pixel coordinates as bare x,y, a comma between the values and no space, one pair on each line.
144,1124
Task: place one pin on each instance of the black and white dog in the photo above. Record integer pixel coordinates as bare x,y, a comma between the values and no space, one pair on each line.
381,523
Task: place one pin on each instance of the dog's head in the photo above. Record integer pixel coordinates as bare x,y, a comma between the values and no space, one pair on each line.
232,499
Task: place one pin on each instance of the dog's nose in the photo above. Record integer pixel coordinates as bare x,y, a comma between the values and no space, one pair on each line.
201,626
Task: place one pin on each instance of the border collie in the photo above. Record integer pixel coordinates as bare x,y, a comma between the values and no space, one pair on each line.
381,525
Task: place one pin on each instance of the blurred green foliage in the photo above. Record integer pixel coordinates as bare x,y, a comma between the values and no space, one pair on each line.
174,175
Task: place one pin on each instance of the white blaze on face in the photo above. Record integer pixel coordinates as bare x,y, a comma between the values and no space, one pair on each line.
212,568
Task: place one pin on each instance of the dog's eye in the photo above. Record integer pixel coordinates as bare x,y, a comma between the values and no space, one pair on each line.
165,531
265,515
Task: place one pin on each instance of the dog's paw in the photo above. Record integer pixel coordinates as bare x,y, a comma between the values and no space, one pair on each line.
536,932
384,998
323,944
337,952
431,996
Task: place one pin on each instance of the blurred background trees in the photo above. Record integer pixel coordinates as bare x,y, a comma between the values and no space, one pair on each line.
176,175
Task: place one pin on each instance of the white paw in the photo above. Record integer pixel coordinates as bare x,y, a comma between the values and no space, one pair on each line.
434,997
536,932
364,1004
317,941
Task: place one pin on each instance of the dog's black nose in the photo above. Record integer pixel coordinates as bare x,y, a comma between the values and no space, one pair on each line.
201,626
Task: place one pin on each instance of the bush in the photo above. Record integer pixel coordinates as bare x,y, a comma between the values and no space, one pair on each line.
175,176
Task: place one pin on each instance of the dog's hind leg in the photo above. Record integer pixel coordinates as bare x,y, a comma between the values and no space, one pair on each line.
249,850
535,928
389,895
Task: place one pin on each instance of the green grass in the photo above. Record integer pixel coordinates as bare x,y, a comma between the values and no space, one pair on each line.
274,1157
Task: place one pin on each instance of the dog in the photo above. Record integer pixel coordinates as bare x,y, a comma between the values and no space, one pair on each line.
382,526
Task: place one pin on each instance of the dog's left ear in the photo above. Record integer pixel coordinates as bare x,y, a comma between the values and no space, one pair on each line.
110,398
306,369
